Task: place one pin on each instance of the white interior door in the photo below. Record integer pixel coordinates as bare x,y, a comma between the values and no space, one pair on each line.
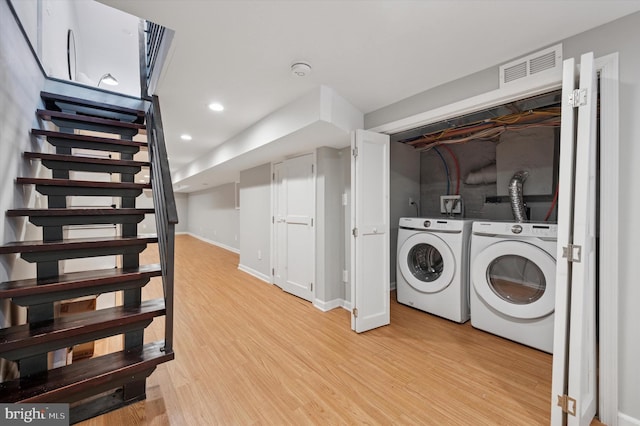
574,366
294,267
370,234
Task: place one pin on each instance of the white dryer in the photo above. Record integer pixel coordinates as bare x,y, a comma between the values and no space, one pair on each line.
432,269
513,270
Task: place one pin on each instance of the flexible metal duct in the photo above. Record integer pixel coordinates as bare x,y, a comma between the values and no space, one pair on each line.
515,195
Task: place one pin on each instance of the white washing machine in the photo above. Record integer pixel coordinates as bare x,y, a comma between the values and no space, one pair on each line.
513,288
432,269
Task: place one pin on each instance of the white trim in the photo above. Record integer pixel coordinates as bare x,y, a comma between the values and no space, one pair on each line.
214,243
625,420
609,210
327,306
254,273
609,240
466,106
347,305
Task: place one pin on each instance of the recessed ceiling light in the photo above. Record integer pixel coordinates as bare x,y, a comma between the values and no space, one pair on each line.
216,106
186,137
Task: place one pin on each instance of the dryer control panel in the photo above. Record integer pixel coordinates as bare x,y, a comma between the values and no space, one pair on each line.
541,230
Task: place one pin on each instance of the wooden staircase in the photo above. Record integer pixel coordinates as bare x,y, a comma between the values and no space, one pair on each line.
101,383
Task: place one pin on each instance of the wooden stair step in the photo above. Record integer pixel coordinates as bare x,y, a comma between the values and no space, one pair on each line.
27,340
86,164
77,284
55,100
48,186
50,115
72,140
81,216
33,251
87,377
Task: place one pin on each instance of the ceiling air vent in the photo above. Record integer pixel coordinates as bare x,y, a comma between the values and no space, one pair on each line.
547,62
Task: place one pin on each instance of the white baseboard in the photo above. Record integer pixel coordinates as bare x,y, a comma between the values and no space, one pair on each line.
327,306
215,243
255,273
346,305
625,420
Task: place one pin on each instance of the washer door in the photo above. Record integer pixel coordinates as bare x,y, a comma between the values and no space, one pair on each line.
426,262
516,278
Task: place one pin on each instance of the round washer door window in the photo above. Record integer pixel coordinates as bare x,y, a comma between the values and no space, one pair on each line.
426,262
516,278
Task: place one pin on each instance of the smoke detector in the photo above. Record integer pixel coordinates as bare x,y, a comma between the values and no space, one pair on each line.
300,69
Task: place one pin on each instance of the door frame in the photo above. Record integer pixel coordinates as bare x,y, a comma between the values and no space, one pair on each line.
607,67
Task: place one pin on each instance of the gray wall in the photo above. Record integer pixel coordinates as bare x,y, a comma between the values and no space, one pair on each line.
475,155
212,215
182,205
21,80
404,183
255,220
330,223
619,36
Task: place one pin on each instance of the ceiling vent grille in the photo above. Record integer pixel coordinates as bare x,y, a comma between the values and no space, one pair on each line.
545,62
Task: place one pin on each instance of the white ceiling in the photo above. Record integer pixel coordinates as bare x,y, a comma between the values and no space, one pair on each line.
373,53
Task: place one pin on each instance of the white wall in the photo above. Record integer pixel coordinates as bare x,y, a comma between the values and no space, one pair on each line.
255,221
212,216
404,183
619,36
106,41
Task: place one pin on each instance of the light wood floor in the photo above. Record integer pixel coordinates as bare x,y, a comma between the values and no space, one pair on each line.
249,353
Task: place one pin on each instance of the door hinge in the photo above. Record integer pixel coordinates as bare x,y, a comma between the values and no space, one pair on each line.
567,404
354,232
273,271
578,98
311,287
354,311
312,222
273,219
273,177
572,253
312,169
355,151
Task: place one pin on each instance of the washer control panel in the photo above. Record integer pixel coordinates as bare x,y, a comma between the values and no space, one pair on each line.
434,224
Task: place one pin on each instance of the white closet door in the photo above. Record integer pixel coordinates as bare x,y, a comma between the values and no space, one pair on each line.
370,236
295,238
574,365
582,342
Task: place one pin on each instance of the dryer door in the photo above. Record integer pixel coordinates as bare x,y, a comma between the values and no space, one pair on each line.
426,262
516,278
